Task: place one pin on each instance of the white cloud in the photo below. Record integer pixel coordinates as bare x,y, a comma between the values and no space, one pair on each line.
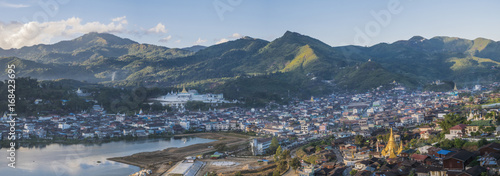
12,5
233,36
166,39
16,35
223,40
236,35
199,41
159,28
178,41
122,20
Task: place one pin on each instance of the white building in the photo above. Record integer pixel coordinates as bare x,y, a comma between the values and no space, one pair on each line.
63,126
185,124
259,146
305,128
180,99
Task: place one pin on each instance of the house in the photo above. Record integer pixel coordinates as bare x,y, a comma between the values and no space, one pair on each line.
424,149
490,148
424,128
361,165
476,125
458,160
432,151
419,158
407,153
307,171
430,171
443,153
456,132
474,171
260,145
490,160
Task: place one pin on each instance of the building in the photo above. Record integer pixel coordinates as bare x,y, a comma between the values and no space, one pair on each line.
185,168
458,160
456,132
180,99
490,148
259,146
305,128
391,150
185,124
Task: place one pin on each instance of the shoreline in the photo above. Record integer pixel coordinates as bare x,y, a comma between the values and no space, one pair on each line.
161,160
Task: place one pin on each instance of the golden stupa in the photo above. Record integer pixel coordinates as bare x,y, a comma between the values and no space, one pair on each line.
312,99
184,89
392,149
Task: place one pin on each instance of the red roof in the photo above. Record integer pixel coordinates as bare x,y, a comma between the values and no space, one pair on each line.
418,157
458,127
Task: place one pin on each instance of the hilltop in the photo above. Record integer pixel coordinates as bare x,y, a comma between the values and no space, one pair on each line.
250,67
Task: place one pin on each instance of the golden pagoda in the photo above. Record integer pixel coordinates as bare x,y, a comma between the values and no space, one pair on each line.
312,99
392,149
184,89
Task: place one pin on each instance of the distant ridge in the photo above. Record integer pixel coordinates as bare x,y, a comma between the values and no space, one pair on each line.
310,64
194,48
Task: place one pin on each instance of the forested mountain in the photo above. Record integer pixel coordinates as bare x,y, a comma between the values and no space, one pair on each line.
293,63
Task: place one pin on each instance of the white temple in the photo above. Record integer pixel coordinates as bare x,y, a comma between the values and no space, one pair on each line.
180,98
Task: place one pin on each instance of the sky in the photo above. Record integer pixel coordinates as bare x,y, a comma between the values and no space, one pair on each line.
184,23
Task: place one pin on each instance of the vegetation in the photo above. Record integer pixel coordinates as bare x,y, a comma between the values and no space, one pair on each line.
274,145
449,121
359,140
462,144
353,172
255,71
295,163
53,98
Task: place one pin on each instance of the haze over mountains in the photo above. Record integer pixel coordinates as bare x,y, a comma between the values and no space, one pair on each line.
296,61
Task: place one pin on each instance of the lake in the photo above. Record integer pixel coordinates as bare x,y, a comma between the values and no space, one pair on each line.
88,159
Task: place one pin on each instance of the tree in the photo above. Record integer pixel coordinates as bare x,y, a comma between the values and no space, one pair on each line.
156,107
238,174
295,163
278,154
412,172
285,155
274,144
482,142
359,140
276,173
353,172
282,165
449,121
459,143
317,149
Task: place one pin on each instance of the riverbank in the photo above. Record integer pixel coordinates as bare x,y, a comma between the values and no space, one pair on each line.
37,142
160,161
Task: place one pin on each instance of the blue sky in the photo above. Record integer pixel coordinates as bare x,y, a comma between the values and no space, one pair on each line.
186,23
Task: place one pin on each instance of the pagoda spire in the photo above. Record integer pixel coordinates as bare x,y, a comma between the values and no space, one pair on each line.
391,149
184,89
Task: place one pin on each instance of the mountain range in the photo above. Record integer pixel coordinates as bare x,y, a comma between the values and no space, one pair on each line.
292,62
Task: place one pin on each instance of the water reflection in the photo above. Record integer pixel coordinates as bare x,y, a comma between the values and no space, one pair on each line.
85,159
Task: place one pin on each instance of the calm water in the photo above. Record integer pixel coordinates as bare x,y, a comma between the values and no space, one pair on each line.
72,160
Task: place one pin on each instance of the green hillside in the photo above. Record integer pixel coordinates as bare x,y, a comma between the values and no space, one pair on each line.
253,69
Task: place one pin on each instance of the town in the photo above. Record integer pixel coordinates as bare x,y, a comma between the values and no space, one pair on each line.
380,132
